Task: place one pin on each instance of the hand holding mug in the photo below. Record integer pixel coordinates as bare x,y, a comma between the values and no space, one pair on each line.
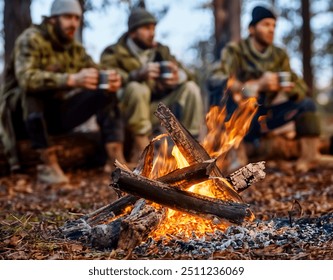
109,80
169,73
285,81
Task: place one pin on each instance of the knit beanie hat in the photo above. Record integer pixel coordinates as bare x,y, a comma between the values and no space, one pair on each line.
139,17
60,7
259,13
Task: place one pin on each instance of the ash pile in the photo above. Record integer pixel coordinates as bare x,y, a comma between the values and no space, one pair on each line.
282,238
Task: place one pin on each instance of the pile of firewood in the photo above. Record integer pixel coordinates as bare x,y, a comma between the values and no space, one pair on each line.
127,222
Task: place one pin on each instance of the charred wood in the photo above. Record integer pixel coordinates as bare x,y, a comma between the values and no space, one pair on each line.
171,197
137,226
185,177
186,143
191,148
247,176
110,211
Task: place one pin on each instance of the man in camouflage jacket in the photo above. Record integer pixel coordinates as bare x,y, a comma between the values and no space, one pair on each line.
252,66
136,56
54,83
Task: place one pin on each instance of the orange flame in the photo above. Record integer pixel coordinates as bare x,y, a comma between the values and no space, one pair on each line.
221,137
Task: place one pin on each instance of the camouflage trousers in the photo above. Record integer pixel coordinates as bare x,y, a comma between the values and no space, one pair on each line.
138,108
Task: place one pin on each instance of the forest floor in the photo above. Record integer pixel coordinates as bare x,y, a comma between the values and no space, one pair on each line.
31,214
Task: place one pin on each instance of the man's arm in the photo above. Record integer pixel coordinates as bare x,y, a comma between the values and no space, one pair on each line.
32,78
109,60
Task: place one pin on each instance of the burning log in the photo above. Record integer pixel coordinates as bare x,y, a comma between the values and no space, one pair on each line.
206,207
186,143
110,211
185,177
125,231
136,227
191,148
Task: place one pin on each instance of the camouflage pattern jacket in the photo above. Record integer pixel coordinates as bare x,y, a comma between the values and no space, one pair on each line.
119,57
39,63
242,61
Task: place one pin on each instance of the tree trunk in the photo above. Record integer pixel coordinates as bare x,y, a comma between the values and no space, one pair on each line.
227,23
16,19
307,45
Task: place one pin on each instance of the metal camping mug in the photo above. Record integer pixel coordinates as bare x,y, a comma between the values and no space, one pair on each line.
165,70
284,79
103,79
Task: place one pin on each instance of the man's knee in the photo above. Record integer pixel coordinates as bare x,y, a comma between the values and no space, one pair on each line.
192,88
308,105
36,127
137,91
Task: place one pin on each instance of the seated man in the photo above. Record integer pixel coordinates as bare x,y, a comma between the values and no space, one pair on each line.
137,57
254,65
54,83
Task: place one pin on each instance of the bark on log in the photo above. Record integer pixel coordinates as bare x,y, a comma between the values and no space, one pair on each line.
110,211
186,143
247,176
186,177
191,149
208,208
136,227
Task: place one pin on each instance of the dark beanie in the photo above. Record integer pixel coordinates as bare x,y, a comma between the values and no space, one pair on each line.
139,17
259,13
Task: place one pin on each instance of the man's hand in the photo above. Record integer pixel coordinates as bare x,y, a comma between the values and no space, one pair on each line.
114,81
87,78
174,80
148,72
269,81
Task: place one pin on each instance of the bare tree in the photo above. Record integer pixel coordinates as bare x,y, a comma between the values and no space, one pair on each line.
306,44
18,12
227,23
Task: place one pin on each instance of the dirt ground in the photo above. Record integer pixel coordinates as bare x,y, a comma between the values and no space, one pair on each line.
31,213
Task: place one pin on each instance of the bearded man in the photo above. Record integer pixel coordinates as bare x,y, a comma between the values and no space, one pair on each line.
53,83
256,67
138,58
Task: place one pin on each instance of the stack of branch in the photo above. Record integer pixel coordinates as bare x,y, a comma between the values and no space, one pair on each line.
111,227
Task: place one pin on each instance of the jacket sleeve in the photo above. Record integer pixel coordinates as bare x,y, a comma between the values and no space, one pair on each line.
230,62
109,60
27,67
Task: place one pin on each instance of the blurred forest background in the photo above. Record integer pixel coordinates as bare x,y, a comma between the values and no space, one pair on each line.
306,32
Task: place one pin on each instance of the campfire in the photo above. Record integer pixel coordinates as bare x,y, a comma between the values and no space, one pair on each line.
182,192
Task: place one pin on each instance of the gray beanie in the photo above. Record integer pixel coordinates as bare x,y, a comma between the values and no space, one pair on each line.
139,17
60,7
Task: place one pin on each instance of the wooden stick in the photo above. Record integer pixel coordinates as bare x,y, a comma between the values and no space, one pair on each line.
137,226
246,176
191,203
184,178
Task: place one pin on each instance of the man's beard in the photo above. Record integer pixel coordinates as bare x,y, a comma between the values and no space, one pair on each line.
262,41
142,45
63,38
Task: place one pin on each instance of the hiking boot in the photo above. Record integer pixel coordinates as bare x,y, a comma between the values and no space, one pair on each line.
114,151
140,143
310,157
50,174
50,171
